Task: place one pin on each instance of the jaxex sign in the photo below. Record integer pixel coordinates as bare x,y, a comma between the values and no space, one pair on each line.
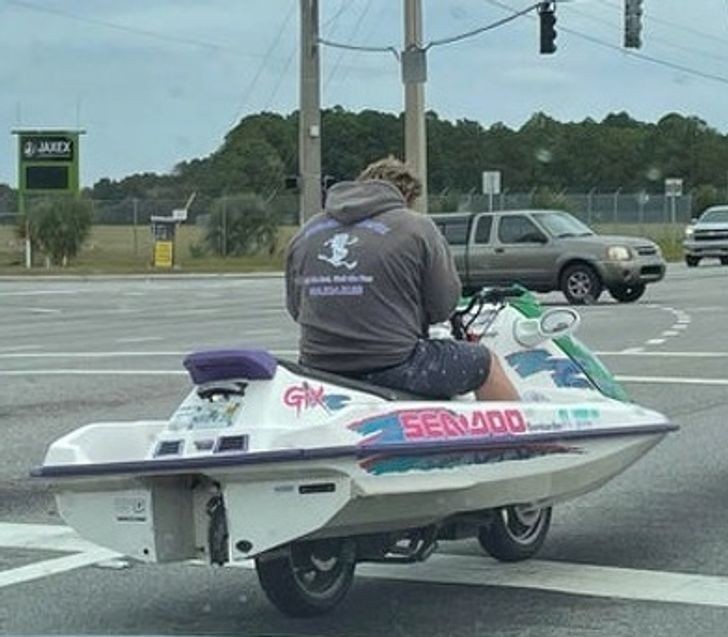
53,148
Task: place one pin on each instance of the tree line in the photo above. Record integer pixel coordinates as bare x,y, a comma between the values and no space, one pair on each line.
618,152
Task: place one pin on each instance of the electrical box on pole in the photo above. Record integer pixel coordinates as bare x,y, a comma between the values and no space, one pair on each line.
547,24
633,24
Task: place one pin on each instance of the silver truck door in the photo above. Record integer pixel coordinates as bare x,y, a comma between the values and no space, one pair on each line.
523,252
481,253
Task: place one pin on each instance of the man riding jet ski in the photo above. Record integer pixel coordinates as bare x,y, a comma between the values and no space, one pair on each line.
367,277
371,448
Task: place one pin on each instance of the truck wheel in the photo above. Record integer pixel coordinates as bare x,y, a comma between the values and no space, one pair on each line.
628,293
724,260
580,284
692,261
516,533
311,578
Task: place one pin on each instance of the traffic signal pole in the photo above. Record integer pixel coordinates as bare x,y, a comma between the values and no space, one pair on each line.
309,118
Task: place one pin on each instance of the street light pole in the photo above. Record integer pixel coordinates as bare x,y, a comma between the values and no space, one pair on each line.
309,119
415,132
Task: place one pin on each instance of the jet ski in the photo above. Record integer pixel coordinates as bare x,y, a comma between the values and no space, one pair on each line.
308,473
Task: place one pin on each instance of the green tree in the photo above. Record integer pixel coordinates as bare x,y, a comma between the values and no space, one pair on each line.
241,225
704,196
58,226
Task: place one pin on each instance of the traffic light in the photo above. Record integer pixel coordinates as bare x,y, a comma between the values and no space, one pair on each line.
547,17
632,24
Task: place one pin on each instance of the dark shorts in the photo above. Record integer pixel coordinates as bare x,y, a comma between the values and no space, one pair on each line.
437,369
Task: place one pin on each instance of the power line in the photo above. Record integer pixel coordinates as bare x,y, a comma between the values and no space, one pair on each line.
657,40
356,47
343,8
675,66
487,27
201,44
352,35
674,25
433,43
245,97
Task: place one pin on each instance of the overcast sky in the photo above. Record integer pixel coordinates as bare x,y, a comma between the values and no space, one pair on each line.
158,81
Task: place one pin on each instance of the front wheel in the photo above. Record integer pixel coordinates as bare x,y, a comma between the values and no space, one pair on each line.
628,293
580,284
724,260
311,578
516,532
692,262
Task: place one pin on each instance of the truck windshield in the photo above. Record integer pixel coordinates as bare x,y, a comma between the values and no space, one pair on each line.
562,224
715,216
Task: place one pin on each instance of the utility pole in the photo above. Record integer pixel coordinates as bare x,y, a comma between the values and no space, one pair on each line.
414,76
309,119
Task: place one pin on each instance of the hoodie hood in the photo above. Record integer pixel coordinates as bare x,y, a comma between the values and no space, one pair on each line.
352,201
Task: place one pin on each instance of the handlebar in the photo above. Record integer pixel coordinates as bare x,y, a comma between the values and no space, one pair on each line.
486,295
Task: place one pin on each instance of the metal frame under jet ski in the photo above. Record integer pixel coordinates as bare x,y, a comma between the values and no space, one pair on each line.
309,473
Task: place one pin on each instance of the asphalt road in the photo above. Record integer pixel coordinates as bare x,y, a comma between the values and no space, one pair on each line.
78,351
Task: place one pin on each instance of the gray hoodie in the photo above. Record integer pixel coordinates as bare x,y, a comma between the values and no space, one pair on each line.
365,279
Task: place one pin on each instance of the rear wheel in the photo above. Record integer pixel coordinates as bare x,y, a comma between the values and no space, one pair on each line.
311,578
692,261
516,532
628,293
580,284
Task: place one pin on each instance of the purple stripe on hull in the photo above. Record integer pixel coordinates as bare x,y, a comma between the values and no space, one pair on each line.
193,465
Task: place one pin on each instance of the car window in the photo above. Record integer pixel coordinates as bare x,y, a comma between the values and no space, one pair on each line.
715,216
519,229
482,230
454,230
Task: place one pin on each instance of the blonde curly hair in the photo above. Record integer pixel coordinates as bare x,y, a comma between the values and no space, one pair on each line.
395,172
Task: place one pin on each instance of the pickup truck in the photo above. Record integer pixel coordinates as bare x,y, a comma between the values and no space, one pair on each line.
707,237
548,250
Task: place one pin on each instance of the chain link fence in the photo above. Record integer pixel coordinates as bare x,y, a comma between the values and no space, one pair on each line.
618,208
122,228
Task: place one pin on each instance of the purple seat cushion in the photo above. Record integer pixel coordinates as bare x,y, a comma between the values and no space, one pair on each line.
230,364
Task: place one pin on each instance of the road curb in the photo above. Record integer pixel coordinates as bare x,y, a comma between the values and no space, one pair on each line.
141,277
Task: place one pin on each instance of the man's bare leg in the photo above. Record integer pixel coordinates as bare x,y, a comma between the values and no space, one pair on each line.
498,386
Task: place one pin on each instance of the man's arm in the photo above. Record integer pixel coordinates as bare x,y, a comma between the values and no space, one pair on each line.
441,283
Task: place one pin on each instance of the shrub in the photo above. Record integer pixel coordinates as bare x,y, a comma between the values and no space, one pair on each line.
241,225
547,199
58,226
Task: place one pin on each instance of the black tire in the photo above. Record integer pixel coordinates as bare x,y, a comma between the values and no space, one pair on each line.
724,260
580,284
516,533
692,262
628,293
310,579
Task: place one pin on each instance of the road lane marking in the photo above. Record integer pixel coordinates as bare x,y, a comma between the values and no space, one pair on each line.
656,341
639,352
19,348
55,566
442,568
42,292
139,339
92,372
43,537
21,355
670,333
562,577
668,380
657,380
41,310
